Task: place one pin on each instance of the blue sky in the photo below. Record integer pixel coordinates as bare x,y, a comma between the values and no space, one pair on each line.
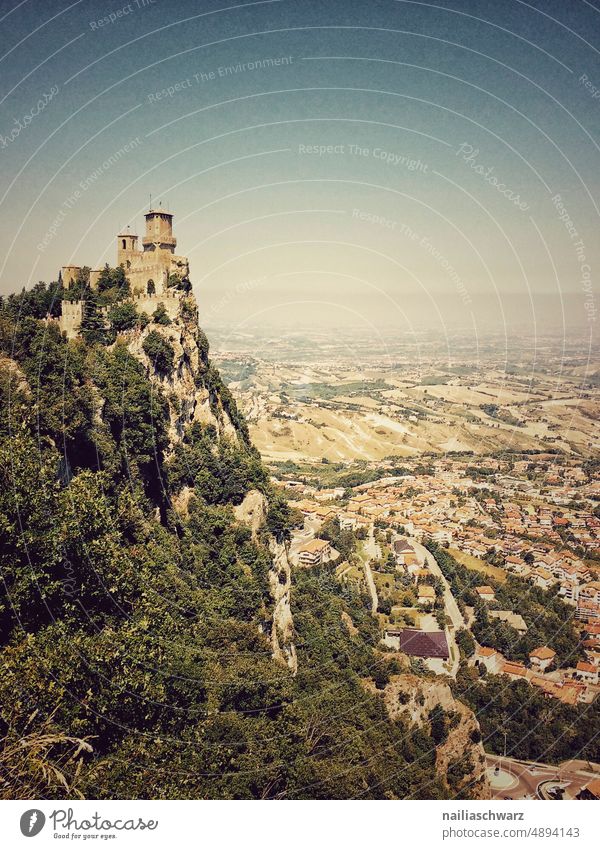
329,162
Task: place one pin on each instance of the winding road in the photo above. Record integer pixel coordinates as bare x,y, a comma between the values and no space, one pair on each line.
373,552
450,605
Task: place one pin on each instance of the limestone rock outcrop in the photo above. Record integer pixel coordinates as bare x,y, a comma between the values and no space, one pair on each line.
460,758
253,512
187,387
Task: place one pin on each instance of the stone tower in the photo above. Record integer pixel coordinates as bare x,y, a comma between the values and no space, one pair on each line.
127,250
70,318
159,231
68,275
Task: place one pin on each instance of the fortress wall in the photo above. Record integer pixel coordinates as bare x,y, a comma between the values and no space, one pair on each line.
148,303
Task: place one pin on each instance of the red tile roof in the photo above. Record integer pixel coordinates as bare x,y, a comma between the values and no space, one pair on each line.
514,669
543,653
486,651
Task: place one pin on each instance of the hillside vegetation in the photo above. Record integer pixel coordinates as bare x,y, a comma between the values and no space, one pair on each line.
137,615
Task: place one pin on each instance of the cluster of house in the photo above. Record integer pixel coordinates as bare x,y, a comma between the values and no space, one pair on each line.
408,561
526,536
427,644
573,685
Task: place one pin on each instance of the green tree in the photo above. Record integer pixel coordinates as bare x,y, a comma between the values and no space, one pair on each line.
160,352
161,316
93,323
123,316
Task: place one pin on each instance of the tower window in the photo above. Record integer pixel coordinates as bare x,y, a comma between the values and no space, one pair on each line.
124,244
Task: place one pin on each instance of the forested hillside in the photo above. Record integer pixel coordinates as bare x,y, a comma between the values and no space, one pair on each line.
138,616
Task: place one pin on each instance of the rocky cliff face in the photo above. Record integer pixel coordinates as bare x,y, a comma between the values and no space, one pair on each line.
253,512
460,758
280,581
188,387
195,393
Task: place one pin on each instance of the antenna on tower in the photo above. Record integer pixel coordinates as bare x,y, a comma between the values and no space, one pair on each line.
150,207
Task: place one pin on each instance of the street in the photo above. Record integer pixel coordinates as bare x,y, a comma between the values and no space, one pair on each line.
373,552
527,778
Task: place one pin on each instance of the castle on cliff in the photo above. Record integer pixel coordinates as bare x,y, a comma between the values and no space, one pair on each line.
148,270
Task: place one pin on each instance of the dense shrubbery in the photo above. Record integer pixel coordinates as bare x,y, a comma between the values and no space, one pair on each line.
342,541
113,285
219,475
123,316
38,302
219,394
537,728
350,748
279,517
161,316
160,352
175,281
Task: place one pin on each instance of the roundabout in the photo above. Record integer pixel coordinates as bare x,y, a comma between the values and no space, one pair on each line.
501,779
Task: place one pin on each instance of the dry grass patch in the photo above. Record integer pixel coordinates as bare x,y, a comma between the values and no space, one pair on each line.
478,565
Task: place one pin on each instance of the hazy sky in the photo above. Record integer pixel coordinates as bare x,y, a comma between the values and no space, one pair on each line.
372,162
